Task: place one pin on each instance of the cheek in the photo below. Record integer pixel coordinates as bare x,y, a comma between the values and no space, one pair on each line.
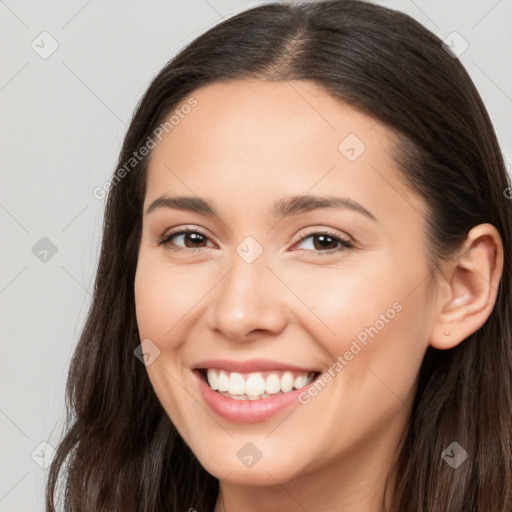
164,296
379,342
373,319
344,301
164,301
150,301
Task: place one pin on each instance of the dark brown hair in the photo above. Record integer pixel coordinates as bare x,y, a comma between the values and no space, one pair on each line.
121,452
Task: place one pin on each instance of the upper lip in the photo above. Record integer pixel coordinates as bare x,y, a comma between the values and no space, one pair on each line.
250,365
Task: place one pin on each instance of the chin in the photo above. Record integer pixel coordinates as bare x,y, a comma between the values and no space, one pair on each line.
246,465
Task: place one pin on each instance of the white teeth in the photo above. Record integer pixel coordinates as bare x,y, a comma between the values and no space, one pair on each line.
253,386
236,384
287,382
273,384
300,381
222,382
213,379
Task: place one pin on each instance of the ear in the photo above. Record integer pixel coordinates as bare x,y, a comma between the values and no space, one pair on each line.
469,288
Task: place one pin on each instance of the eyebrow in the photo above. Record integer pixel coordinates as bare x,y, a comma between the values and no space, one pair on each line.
281,208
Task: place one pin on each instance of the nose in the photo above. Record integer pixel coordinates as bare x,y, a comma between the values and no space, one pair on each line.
249,299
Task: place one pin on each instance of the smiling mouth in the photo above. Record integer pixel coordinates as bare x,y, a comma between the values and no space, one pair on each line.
255,385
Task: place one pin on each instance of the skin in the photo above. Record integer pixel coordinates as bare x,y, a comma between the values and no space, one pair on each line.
246,145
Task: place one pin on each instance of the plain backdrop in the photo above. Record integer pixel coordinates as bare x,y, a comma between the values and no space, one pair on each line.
71,75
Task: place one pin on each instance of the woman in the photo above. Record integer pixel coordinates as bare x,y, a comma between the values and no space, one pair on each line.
303,295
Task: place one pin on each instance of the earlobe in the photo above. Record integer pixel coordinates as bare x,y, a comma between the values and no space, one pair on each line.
471,286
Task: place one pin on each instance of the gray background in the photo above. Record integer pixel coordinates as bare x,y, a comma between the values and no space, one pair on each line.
63,118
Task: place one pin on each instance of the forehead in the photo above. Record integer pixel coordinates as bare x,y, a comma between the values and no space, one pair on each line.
249,113
254,138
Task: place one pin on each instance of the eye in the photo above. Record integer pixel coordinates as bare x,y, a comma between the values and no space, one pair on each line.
195,238
325,241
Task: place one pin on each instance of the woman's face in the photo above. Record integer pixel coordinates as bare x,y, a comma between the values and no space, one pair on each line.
275,284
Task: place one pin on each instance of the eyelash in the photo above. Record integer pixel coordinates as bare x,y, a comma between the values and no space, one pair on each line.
345,244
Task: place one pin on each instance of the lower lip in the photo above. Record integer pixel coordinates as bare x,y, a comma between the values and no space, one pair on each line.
247,411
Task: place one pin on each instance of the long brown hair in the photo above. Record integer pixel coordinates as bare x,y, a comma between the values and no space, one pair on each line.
121,451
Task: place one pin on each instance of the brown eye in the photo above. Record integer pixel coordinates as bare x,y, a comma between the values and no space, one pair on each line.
326,242
189,237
